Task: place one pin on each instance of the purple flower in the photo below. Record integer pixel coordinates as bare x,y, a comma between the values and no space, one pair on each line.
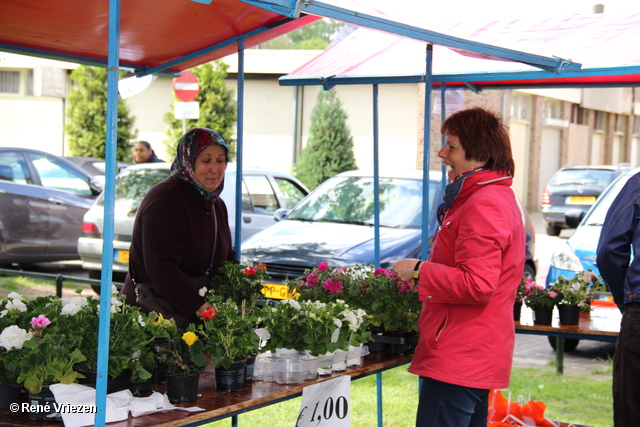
333,286
323,266
312,279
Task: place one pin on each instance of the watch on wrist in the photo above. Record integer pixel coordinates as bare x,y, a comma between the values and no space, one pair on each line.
416,270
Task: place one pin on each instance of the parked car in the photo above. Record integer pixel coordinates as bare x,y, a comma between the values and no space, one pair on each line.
95,166
335,224
43,199
263,193
578,252
574,187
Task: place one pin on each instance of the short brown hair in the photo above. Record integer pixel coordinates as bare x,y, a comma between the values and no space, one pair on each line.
483,136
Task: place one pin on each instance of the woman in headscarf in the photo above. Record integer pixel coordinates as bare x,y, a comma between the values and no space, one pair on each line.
468,285
181,231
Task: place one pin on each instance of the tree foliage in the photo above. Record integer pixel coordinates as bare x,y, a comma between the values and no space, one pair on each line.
87,116
217,107
315,36
329,149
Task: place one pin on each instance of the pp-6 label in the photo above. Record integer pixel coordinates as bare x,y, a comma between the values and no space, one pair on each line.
326,404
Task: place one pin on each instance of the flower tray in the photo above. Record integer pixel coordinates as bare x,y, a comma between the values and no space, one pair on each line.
296,368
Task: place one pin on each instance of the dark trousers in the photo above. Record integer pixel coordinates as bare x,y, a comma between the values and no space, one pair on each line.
447,405
626,370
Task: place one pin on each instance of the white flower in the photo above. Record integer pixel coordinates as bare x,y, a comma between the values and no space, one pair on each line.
114,289
203,291
337,322
263,333
588,276
79,301
13,337
141,320
3,313
293,303
15,295
17,305
136,354
575,287
70,309
335,335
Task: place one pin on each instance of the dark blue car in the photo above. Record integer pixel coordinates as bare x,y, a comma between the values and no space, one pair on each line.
335,223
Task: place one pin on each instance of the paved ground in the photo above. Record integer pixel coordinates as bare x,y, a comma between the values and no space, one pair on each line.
590,358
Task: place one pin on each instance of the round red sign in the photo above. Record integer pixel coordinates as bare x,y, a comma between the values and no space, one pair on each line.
186,86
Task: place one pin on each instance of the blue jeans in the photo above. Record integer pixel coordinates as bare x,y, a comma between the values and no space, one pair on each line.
447,405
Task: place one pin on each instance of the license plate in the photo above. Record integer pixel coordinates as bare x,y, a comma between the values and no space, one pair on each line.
121,257
276,291
581,200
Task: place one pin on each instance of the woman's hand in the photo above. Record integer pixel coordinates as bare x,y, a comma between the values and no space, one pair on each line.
204,307
404,270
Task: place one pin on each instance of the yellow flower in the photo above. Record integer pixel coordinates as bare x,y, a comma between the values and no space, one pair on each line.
189,338
159,320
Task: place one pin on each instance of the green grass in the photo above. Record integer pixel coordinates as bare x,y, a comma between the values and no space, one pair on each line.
568,398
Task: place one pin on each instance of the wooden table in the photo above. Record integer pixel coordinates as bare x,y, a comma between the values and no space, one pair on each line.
219,406
602,324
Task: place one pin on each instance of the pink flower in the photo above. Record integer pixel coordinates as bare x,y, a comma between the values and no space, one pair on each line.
323,266
312,279
403,287
383,272
333,286
553,294
40,321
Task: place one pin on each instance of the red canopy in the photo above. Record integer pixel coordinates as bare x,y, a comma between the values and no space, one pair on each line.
605,45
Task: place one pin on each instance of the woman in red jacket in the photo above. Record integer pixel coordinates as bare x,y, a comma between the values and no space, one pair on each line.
468,285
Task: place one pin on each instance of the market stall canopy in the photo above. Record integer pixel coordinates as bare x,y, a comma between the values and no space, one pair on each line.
177,34
603,43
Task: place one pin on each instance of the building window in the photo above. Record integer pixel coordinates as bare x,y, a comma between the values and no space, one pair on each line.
600,121
521,107
636,125
552,109
29,85
10,82
621,125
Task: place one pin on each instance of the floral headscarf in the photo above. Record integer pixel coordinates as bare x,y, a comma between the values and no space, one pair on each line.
191,144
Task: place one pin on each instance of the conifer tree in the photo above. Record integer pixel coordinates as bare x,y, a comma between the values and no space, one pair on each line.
217,107
329,149
87,116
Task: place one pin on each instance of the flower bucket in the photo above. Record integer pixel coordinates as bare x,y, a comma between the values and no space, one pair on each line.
119,383
231,379
182,389
542,315
42,406
569,314
248,371
517,310
339,361
9,395
326,366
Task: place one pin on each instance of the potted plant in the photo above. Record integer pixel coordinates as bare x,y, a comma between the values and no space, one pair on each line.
541,301
239,283
229,335
575,294
181,357
521,294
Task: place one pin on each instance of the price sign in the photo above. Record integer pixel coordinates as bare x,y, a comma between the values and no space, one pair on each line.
326,404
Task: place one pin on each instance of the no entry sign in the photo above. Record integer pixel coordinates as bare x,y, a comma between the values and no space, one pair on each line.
186,86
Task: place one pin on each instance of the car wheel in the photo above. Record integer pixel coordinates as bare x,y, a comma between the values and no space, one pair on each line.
529,272
553,230
570,344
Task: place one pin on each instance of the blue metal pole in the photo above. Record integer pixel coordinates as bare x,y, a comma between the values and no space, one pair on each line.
379,396
109,203
426,145
239,126
376,183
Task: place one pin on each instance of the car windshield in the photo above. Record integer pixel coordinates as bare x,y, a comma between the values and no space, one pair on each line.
597,177
133,185
350,200
598,213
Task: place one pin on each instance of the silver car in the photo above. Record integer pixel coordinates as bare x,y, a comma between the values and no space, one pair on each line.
263,192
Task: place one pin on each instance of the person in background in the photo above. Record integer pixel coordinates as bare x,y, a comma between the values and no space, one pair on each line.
468,285
620,269
143,153
181,231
